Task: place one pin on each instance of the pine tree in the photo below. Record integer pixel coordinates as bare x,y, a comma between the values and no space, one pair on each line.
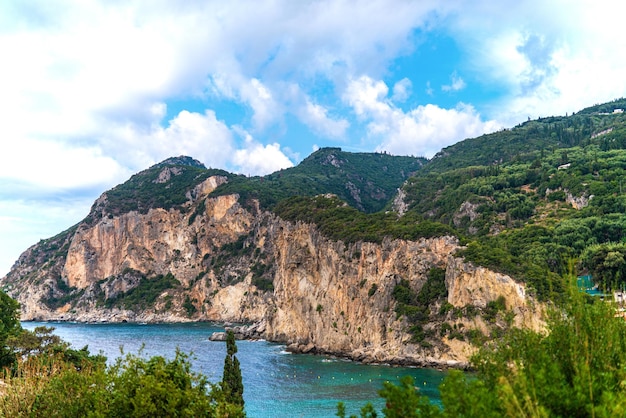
232,383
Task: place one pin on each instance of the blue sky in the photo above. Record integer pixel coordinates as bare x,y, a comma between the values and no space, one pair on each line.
94,91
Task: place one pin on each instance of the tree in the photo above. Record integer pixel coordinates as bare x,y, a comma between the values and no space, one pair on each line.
232,383
606,262
9,327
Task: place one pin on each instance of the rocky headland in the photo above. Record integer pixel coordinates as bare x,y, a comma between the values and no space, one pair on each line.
214,260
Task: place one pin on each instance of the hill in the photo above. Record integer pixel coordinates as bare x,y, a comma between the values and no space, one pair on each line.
366,181
537,200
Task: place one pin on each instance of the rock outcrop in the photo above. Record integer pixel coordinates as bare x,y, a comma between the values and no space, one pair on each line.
213,260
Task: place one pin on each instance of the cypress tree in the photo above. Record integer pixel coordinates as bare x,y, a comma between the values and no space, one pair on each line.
232,383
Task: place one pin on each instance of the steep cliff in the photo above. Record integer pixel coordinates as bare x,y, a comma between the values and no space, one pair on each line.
211,259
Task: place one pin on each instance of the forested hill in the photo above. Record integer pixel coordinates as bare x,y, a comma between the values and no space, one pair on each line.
601,125
536,201
366,181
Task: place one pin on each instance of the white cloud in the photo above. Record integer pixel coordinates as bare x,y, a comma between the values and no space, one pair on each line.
76,68
546,58
402,90
316,117
456,84
421,131
429,90
43,168
198,135
258,159
276,44
260,98
427,129
368,98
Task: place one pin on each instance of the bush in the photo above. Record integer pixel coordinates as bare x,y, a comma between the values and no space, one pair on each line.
49,379
48,385
132,387
372,290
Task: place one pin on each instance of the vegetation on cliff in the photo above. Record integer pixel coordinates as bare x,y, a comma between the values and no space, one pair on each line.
340,222
367,181
163,186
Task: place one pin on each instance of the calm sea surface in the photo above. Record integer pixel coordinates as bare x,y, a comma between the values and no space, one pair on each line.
276,383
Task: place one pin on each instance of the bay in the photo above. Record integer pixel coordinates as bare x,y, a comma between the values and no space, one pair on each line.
276,383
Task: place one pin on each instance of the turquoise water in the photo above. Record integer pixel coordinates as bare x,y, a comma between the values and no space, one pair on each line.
276,383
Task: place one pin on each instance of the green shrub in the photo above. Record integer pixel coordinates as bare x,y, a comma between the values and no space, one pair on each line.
145,294
189,306
372,290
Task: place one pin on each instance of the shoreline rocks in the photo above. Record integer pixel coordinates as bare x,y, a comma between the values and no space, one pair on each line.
242,332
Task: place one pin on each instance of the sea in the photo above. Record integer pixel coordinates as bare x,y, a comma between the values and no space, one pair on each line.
276,383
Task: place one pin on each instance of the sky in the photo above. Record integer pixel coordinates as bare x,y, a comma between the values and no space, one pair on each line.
92,91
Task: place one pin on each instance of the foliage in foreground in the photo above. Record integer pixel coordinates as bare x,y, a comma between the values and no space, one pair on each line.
43,377
576,369
132,387
50,386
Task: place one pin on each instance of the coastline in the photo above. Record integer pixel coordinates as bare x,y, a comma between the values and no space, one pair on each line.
246,331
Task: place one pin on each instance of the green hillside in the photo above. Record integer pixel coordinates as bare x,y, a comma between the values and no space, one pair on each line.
366,181
533,139
536,201
147,190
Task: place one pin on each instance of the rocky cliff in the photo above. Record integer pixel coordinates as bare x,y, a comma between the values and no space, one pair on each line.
212,260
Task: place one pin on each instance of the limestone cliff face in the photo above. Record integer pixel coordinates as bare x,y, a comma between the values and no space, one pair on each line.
476,286
228,264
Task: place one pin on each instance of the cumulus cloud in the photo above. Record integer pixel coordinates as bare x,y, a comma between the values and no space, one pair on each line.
421,131
274,44
36,168
260,98
200,135
258,159
426,129
78,67
316,117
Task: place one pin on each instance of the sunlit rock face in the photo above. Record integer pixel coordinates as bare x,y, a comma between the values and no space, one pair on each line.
228,264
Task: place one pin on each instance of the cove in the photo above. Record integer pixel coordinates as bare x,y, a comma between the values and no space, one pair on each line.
276,383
